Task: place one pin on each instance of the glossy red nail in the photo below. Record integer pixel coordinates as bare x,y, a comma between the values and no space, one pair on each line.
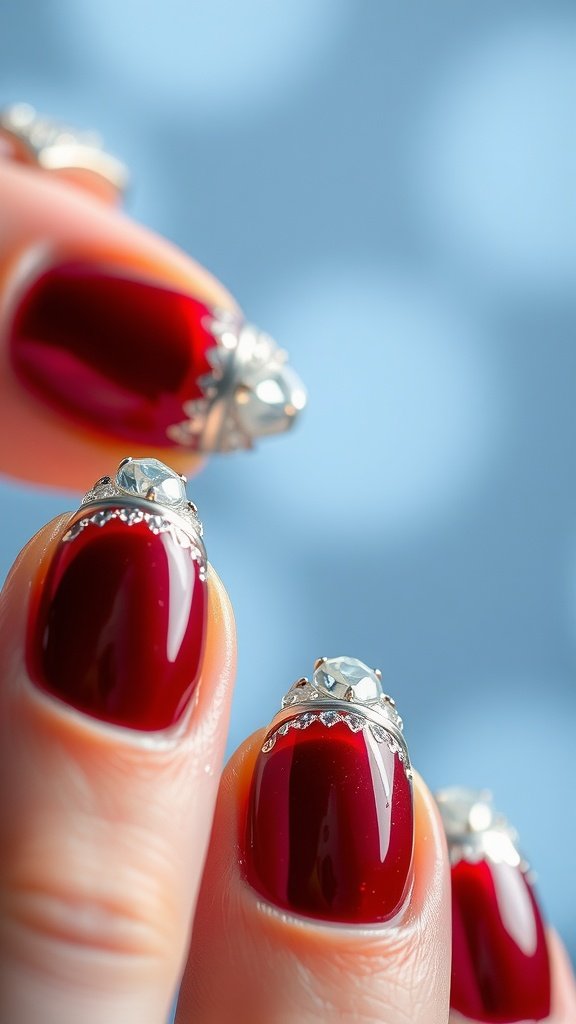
117,353
117,630
500,962
330,818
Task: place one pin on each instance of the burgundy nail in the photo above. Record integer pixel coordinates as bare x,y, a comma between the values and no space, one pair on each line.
115,352
500,962
117,628
330,818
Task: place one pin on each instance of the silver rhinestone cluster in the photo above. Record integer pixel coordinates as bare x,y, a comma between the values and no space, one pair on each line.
303,692
223,417
356,723
107,488
475,830
131,517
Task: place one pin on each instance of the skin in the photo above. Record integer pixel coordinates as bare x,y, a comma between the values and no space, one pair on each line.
110,885
46,219
103,836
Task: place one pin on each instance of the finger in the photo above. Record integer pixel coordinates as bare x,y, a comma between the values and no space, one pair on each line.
105,806
287,966
103,333
563,983
505,966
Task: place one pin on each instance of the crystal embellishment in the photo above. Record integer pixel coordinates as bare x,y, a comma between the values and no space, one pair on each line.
475,830
150,478
144,491
343,690
339,675
249,393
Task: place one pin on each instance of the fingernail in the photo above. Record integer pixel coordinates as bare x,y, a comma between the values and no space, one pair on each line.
113,351
500,963
117,627
330,827
148,363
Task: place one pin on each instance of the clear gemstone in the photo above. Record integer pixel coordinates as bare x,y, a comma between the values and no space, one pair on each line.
101,518
338,675
151,478
305,720
156,523
378,732
269,395
465,810
354,722
132,516
329,718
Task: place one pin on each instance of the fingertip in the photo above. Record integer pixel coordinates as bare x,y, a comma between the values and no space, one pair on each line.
563,981
431,862
47,223
403,966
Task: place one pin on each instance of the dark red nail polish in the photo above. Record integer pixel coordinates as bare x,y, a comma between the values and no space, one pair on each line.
500,962
117,353
330,822
117,630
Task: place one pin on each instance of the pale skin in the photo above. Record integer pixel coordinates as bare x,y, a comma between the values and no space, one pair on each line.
120,865
103,835
44,217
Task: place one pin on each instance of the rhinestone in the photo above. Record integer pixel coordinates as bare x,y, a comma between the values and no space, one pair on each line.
155,523
306,719
354,722
270,742
283,729
101,518
465,810
131,516
329,718
338,675
379,734
268,395
140,477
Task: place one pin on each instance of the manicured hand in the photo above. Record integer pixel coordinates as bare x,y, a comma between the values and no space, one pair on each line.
112,341
325,892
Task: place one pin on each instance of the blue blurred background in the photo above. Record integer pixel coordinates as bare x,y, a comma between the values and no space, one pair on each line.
388,188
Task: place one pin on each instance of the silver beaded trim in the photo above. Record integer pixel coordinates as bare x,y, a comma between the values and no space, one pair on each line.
302,692
476,831
106,488
212,421
54,145
356,723
157,524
